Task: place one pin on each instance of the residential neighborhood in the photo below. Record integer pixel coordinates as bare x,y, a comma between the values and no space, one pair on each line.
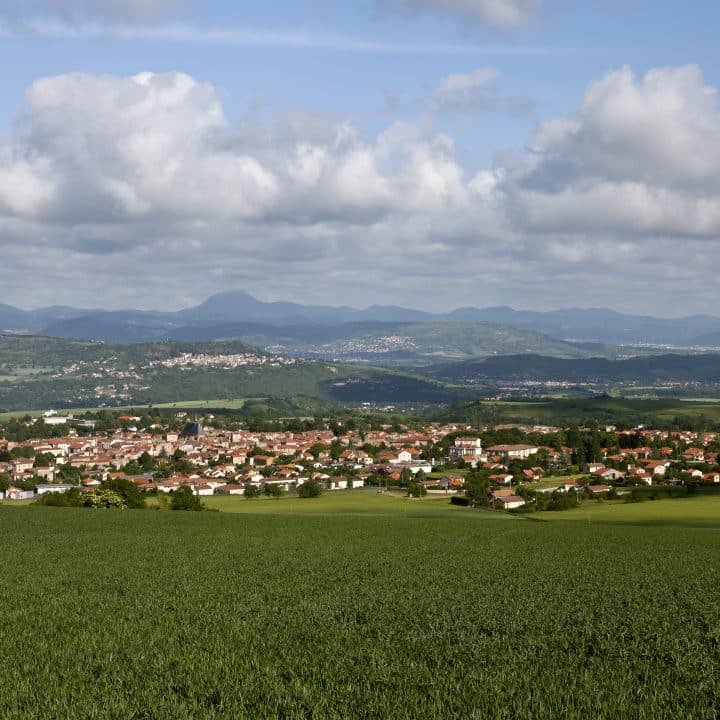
434,458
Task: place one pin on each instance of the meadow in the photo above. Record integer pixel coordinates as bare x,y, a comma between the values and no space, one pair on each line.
358,605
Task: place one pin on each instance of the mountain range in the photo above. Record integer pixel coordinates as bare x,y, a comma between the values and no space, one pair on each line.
238,314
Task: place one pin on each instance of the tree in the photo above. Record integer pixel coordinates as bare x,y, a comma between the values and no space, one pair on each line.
127,490
43,459
415,489
477,489
104,498
275,491
310,489
251,491
185,499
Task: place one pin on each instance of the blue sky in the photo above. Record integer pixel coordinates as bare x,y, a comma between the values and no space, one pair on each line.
431,153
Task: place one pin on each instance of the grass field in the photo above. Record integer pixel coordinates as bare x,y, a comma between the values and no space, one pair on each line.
366,502
357,605
684,512
235,404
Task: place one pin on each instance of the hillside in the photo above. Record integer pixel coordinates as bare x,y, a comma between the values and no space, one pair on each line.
393,344
41,372
657,368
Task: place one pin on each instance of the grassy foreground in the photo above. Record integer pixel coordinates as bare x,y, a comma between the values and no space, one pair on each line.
375,608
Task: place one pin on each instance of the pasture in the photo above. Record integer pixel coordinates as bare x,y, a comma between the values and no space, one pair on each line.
355,605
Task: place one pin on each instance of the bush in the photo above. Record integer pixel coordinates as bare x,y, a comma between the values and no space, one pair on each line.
310,489
251,491
185,499
416,490
104,498
127,490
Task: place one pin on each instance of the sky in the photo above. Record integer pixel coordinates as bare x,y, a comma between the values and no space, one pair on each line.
434,154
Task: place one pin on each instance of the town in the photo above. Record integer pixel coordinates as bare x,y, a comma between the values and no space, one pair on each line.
523,468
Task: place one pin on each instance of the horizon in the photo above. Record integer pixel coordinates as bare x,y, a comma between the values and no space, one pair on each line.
359,308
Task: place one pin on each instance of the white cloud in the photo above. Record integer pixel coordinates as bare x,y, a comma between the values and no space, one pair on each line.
639,156
110,184
504,14
72,11
474,92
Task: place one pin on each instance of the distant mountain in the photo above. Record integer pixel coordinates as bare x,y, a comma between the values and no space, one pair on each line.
599,325
711,340
651,369
224,310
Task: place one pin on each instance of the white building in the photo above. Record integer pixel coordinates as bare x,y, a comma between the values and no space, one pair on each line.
466,447
513,452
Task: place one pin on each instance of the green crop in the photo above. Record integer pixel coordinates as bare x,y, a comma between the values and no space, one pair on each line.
171,616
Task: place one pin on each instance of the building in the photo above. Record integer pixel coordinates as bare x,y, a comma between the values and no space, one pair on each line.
513,452
465,447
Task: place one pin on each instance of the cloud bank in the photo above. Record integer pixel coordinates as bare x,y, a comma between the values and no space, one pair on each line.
139,191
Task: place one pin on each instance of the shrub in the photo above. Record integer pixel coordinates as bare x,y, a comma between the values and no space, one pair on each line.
185,499
310,489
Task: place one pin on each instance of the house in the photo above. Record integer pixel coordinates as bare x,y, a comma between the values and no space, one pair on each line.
337,483
203,489
608,474
513,452
712,477
599,489
570,485
54,487
13,493
230,489
593,467
656,467
467,448
503,479
510,502
694,455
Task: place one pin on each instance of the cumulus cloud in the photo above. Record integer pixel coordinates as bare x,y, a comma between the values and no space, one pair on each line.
119,183
638,156
503,14
77,10
147,169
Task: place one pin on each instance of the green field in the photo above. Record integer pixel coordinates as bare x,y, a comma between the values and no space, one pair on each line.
684,512
357,605
367,502
612,410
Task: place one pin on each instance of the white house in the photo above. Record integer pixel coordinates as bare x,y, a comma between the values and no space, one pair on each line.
515,452
55,487
466,447
337,483
510,502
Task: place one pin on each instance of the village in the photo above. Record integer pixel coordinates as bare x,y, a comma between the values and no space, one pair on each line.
433,459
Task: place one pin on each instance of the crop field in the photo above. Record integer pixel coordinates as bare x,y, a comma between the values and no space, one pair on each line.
360,606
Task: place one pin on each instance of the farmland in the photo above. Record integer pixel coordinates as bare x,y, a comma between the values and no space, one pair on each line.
360,605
